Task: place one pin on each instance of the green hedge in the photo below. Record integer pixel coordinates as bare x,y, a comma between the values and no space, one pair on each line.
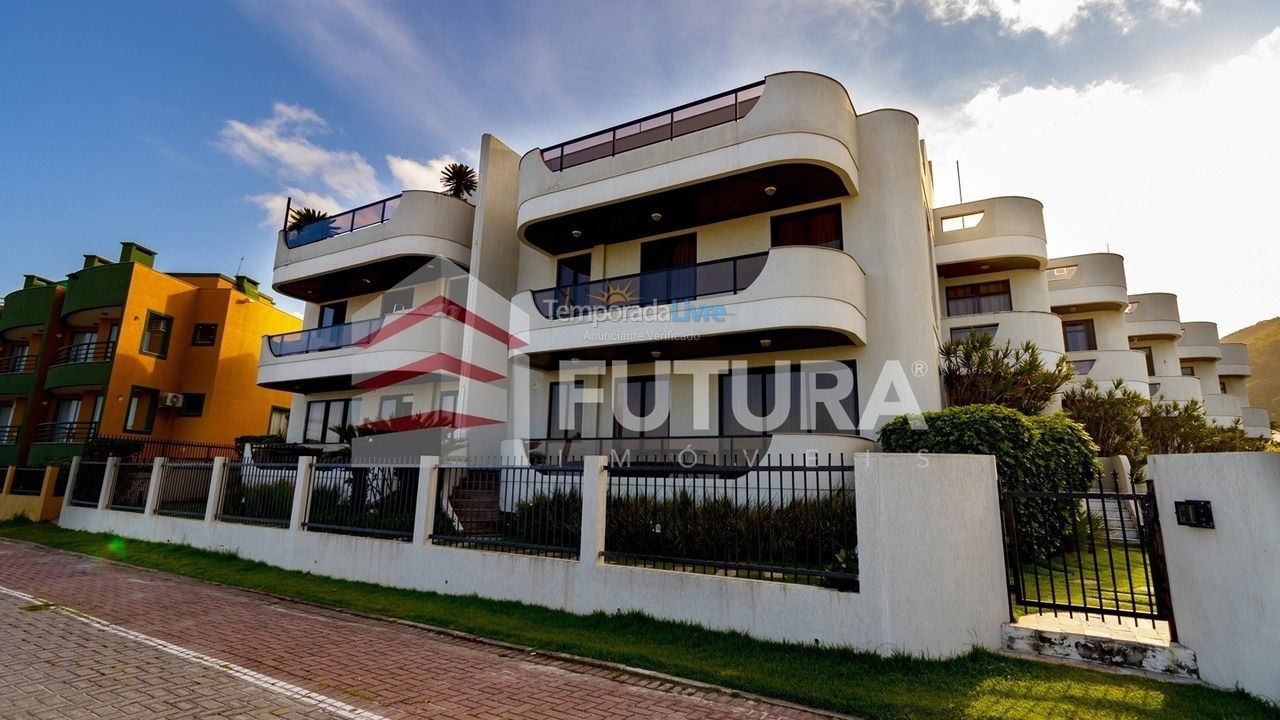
1038,453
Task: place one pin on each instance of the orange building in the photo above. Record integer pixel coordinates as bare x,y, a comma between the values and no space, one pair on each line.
125,349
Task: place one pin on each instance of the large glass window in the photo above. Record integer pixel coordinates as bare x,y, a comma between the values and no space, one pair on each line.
563,397
395,406
640,395
961,333
1151,360
987,297
397,301
156,333
807,387
571,273
668,267
811,227
1078,335
141,414
325,415
332,314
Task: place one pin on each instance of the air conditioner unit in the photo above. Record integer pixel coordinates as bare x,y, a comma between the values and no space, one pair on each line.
173,400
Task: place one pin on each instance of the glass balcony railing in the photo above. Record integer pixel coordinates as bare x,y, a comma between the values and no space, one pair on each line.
349,221
9,434
656,287
17,364
320,339
698,115
66,432
85,353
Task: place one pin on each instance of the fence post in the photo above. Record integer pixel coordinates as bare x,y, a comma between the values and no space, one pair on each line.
153,487
73,472
217,479
301,492
108,482
595,490
424,512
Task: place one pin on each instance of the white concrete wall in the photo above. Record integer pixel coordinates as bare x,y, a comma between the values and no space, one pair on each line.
1225,581
929,533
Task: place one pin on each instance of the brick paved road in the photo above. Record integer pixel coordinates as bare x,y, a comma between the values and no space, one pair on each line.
147,644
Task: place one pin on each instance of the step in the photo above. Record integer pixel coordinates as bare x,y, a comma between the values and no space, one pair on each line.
1122,643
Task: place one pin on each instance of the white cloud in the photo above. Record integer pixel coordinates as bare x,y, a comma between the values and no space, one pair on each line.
1177,174
1057,18
273,204
413,175
282,144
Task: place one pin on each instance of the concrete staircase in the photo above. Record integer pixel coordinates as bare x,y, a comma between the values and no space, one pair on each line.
1116,643
475,503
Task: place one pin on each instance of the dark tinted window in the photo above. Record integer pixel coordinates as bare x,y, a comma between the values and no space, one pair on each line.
192,404
641,397
204,334
979,298
1078,335
811,227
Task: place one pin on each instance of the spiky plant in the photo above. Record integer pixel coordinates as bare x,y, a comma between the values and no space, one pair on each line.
458,180
301,217
977,371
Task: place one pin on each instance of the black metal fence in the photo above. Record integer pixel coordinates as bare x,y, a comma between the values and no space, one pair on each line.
87,488
184,489
177,450
1095,554
526,509
778,522
258,493
369,500
27,481
130,491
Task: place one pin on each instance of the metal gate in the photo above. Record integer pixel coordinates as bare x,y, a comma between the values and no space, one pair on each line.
1097,554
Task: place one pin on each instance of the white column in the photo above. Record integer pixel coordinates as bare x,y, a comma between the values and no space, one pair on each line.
108,482
595,490
301,492
153,487
424,512
73,473
217,481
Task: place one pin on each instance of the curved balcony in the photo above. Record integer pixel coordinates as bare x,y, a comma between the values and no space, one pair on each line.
17,374
1175,388
1152,316
79,367
1015,326
26,311
701,163
1257,421
991,235
1199,341
801,297
1222,409
1235,361
372,248
95,293
365,354
1086,283
1104,366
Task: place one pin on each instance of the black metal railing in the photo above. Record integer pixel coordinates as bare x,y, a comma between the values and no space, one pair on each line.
320,339
1094,553
362,217
258,493
84,353
655,287
184,489
9,434
27,481
134,449
777,522
370,500
525,509
698,115
65,432
86,490
660,449
130,491
18,364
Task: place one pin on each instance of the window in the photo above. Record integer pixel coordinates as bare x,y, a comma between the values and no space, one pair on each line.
964,332
573,269
811,227
1222,387
155,334
204,334
1151,360
397,301
332,314
395,406
1188,371
562,397
668,267
808,387
979,298
1082,367
80,346
1078,335
192,405
278,422
141,415
323,416
639,395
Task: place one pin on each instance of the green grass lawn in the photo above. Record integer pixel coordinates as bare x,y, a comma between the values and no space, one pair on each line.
1108,576
978,685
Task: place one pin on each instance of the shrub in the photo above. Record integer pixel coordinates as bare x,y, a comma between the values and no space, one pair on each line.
1047,454
977,371
1112,417
102,448
554,519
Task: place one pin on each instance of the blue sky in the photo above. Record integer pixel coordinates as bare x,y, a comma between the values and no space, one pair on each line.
1146,126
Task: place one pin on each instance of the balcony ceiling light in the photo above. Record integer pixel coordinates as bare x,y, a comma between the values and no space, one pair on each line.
984,267
765,342
576,234
655,354
657,217
770,191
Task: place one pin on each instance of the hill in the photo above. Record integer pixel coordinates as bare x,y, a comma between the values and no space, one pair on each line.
1263,340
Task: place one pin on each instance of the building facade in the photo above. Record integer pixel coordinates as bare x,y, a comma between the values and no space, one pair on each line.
120,348
761,270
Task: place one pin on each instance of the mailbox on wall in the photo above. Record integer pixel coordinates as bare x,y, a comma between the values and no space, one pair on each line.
1194,513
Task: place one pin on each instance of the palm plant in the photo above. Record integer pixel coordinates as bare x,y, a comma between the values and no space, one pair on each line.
301,217
1112,417
976,371
458,180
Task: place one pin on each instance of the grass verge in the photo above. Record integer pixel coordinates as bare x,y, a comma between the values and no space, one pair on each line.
977,685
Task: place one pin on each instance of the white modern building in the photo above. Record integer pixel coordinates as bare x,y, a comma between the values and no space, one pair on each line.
661,263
